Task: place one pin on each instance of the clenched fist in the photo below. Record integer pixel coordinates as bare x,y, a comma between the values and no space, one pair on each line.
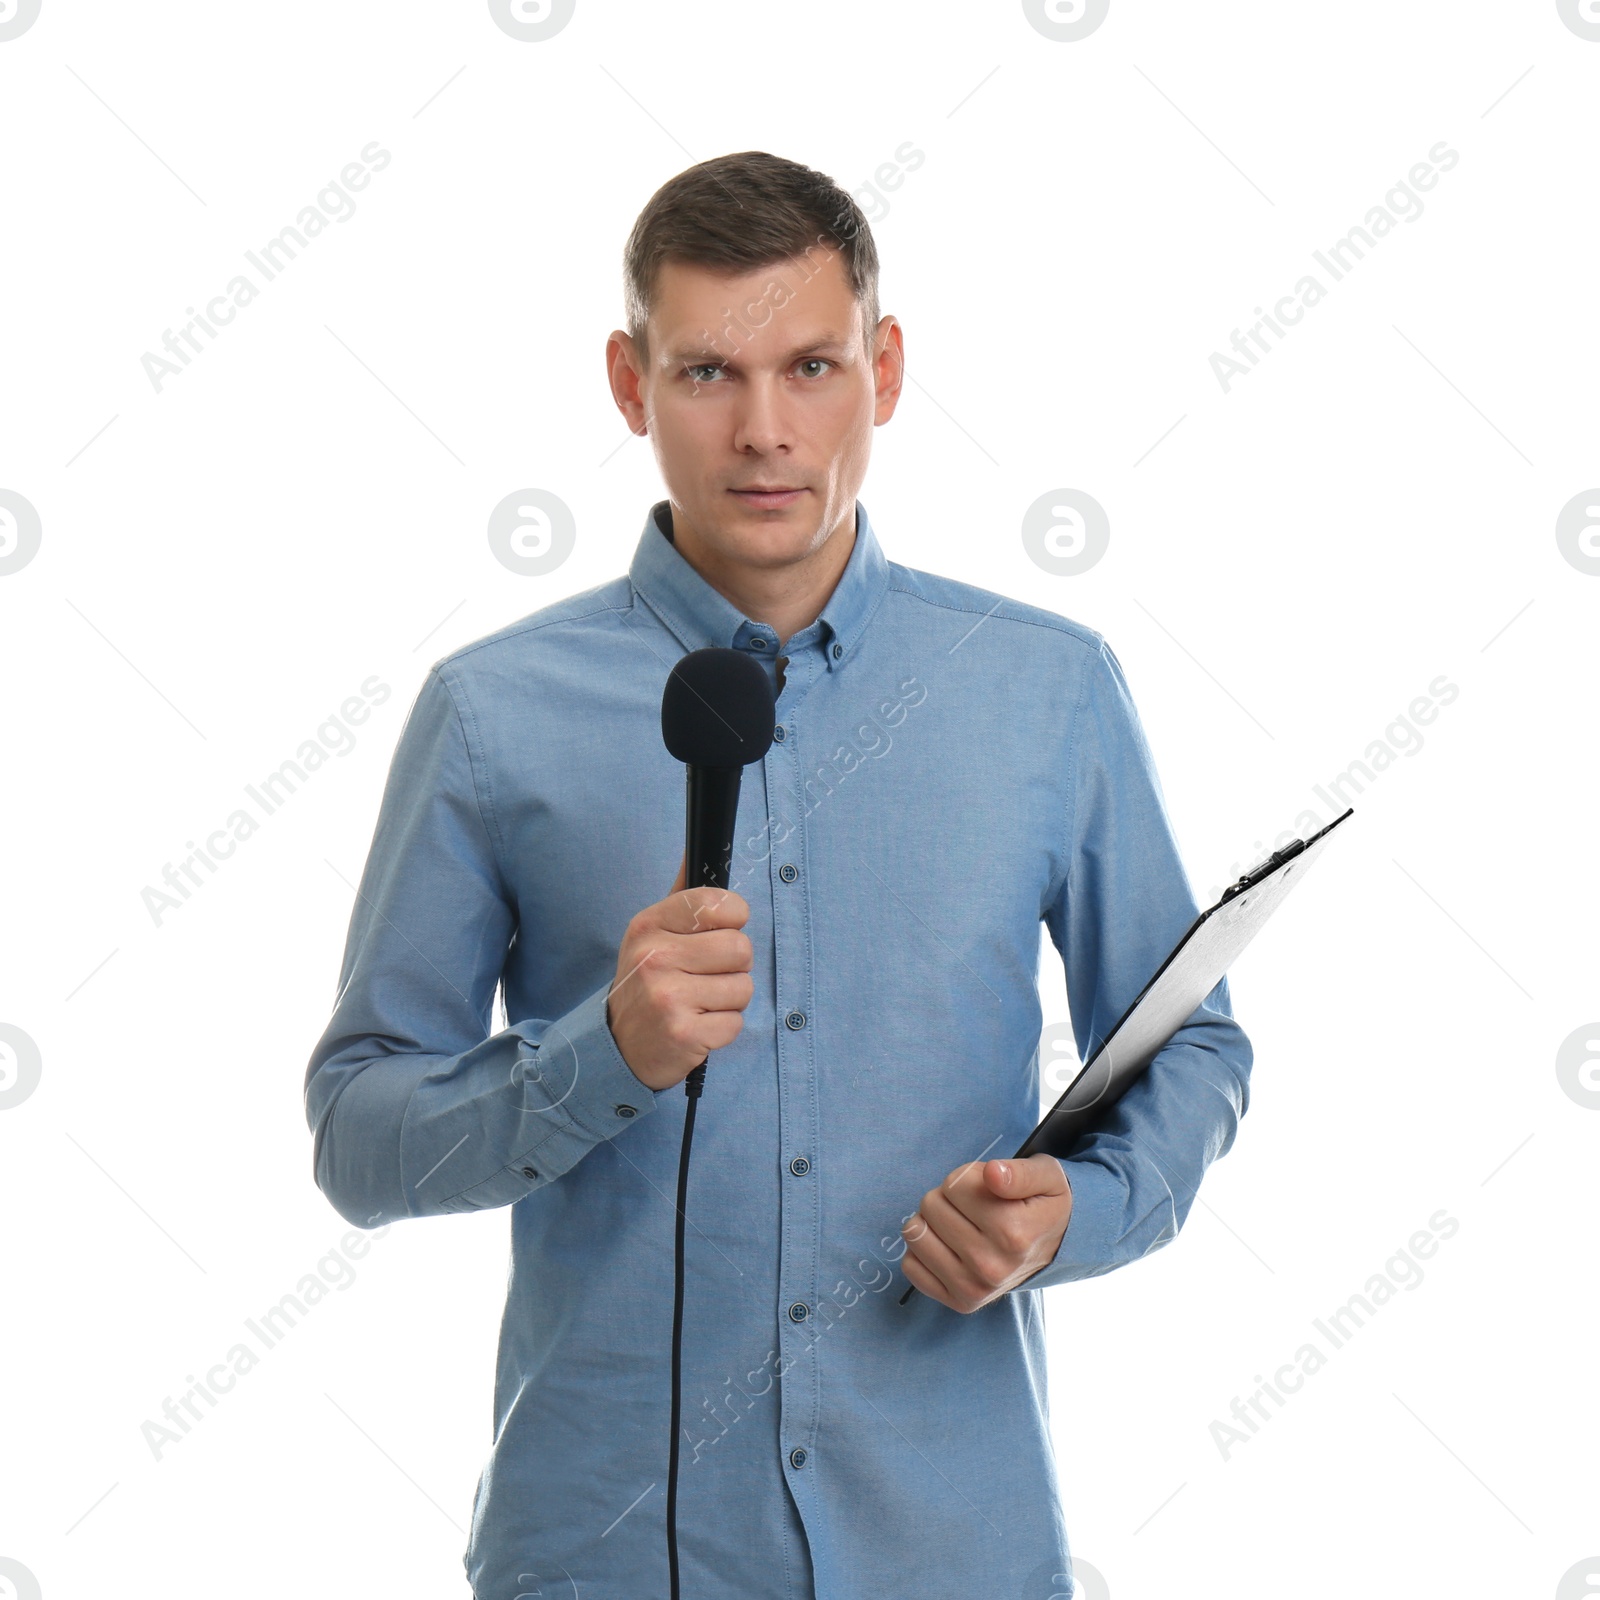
683,981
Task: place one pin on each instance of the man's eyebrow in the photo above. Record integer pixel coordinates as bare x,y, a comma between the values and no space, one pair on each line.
705,354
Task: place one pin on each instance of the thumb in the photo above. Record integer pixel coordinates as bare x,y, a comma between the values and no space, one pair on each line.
1020,1180
682,880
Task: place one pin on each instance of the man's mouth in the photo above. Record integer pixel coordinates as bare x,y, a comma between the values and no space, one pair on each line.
769,496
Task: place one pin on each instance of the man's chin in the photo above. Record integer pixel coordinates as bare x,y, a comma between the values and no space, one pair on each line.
765,540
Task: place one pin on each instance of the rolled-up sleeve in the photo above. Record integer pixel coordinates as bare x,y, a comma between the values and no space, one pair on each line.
1124,901
415,1108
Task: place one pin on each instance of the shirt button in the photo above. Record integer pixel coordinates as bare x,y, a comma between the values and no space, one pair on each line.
528,1172
796,1020
625,1111
797,1457
778,733
838,650
799,1311
788,872
758,644
799,1166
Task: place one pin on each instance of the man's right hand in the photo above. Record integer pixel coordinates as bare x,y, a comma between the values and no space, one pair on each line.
683,981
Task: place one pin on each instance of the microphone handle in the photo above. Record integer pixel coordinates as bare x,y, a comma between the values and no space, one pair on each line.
711,807
710,813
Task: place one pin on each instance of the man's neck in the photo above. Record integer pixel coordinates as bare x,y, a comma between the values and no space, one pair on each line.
788,598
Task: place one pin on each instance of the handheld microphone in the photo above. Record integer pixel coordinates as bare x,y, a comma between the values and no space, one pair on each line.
717,716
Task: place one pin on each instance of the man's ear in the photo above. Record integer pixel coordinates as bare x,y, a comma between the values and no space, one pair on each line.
888,367
624,373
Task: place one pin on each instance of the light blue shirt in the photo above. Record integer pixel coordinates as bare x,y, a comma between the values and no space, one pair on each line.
951,769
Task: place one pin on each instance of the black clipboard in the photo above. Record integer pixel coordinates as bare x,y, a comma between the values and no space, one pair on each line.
1191,971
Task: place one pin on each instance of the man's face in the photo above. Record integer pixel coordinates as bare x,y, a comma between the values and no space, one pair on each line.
759,381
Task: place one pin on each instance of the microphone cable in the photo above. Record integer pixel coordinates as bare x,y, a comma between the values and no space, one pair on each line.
717,717
692,1086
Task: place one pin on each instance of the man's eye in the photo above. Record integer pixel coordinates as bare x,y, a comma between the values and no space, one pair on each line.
695,371
815,361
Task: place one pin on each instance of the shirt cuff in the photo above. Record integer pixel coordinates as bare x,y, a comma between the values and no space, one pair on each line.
597,1093
576,1090
1085,1251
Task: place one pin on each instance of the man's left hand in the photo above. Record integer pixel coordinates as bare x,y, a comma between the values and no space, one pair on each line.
988,1227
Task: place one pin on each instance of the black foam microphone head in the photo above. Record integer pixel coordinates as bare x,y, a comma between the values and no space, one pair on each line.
717,709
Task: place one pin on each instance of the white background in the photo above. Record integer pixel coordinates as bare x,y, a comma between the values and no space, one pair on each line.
1291,563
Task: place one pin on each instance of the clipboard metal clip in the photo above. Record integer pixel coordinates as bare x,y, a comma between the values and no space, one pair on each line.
1271,864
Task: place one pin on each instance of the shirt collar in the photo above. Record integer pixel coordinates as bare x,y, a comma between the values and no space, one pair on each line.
699,616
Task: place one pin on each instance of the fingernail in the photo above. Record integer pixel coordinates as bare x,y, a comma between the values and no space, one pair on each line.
1005,1170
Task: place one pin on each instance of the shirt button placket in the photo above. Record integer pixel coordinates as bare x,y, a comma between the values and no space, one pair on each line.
797,1258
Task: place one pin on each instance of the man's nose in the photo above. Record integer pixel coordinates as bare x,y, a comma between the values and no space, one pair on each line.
762,423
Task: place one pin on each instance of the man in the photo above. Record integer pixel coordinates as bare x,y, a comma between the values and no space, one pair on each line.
950,769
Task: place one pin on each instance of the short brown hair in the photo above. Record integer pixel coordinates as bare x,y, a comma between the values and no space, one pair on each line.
735,213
